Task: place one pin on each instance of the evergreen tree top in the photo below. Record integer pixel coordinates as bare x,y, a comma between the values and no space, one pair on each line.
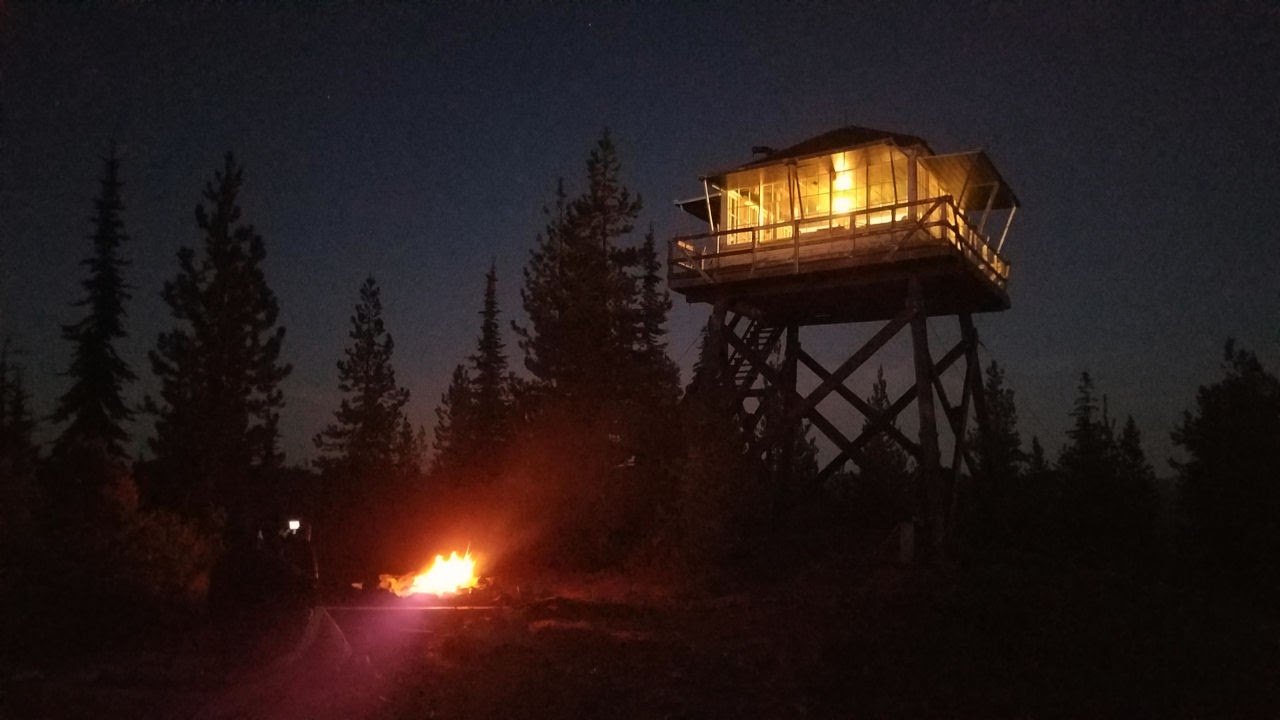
607,209
489,362
219,367
364,438
1089,434
94,405
579,293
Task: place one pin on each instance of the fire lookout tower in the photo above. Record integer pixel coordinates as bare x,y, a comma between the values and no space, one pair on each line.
852,226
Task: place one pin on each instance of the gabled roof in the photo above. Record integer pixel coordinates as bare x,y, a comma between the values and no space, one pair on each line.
850,136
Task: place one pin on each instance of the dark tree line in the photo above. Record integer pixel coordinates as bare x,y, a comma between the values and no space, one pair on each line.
596,441
128,535
1097,504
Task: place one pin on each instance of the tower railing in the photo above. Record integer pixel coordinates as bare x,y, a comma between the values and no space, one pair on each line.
792,245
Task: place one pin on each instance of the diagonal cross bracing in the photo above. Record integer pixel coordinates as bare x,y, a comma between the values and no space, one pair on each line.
888,416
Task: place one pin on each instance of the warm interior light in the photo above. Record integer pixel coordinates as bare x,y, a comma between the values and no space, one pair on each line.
295,525
842,195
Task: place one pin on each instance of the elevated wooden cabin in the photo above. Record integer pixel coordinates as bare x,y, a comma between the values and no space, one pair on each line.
832,229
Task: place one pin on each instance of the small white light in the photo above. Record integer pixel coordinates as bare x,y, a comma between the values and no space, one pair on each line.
295,525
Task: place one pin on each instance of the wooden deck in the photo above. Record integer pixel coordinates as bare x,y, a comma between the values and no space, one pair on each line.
849,269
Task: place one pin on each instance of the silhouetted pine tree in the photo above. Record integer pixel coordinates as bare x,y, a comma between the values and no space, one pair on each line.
1133,468
999,507
804,460
1108,514
578,294
475,415
886,473
409,451
363,452
600,375
90,449
490,394
653,385
1228,497
654,305
1087,477
1133,461
1000,459
1086,457
453,442
360,446
219,368
18,452
709,369
1041,494
1137,489
1037,462
721,498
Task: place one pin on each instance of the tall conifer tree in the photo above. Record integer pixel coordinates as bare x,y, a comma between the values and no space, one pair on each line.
578,294
94,407
1086,456
474,418
454,442
887,470
653,305
18,452
1001,459
1037,462
362,442
490,395
593,345
1228,496
1108,498
368,453
219,368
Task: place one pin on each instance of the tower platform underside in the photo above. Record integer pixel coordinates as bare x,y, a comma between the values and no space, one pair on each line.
864,287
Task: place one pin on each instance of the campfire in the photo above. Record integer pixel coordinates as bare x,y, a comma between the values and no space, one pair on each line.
445,576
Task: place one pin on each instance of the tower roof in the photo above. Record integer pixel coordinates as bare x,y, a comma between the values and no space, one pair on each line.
849,136
972,172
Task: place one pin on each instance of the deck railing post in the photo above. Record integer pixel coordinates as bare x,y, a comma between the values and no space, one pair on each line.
795,245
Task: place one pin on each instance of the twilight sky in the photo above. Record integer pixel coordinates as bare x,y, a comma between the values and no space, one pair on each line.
416,142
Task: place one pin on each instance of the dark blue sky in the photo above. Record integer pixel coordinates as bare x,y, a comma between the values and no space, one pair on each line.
416,143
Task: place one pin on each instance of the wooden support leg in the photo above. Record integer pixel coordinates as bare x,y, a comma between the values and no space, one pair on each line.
960,430
719,342
970,337
929,491
784,474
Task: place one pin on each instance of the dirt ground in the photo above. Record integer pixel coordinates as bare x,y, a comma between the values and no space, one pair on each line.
994,641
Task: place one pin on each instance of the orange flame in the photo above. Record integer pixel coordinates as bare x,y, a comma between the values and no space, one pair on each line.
444,577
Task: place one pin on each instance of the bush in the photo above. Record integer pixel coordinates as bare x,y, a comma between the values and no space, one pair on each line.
165,558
